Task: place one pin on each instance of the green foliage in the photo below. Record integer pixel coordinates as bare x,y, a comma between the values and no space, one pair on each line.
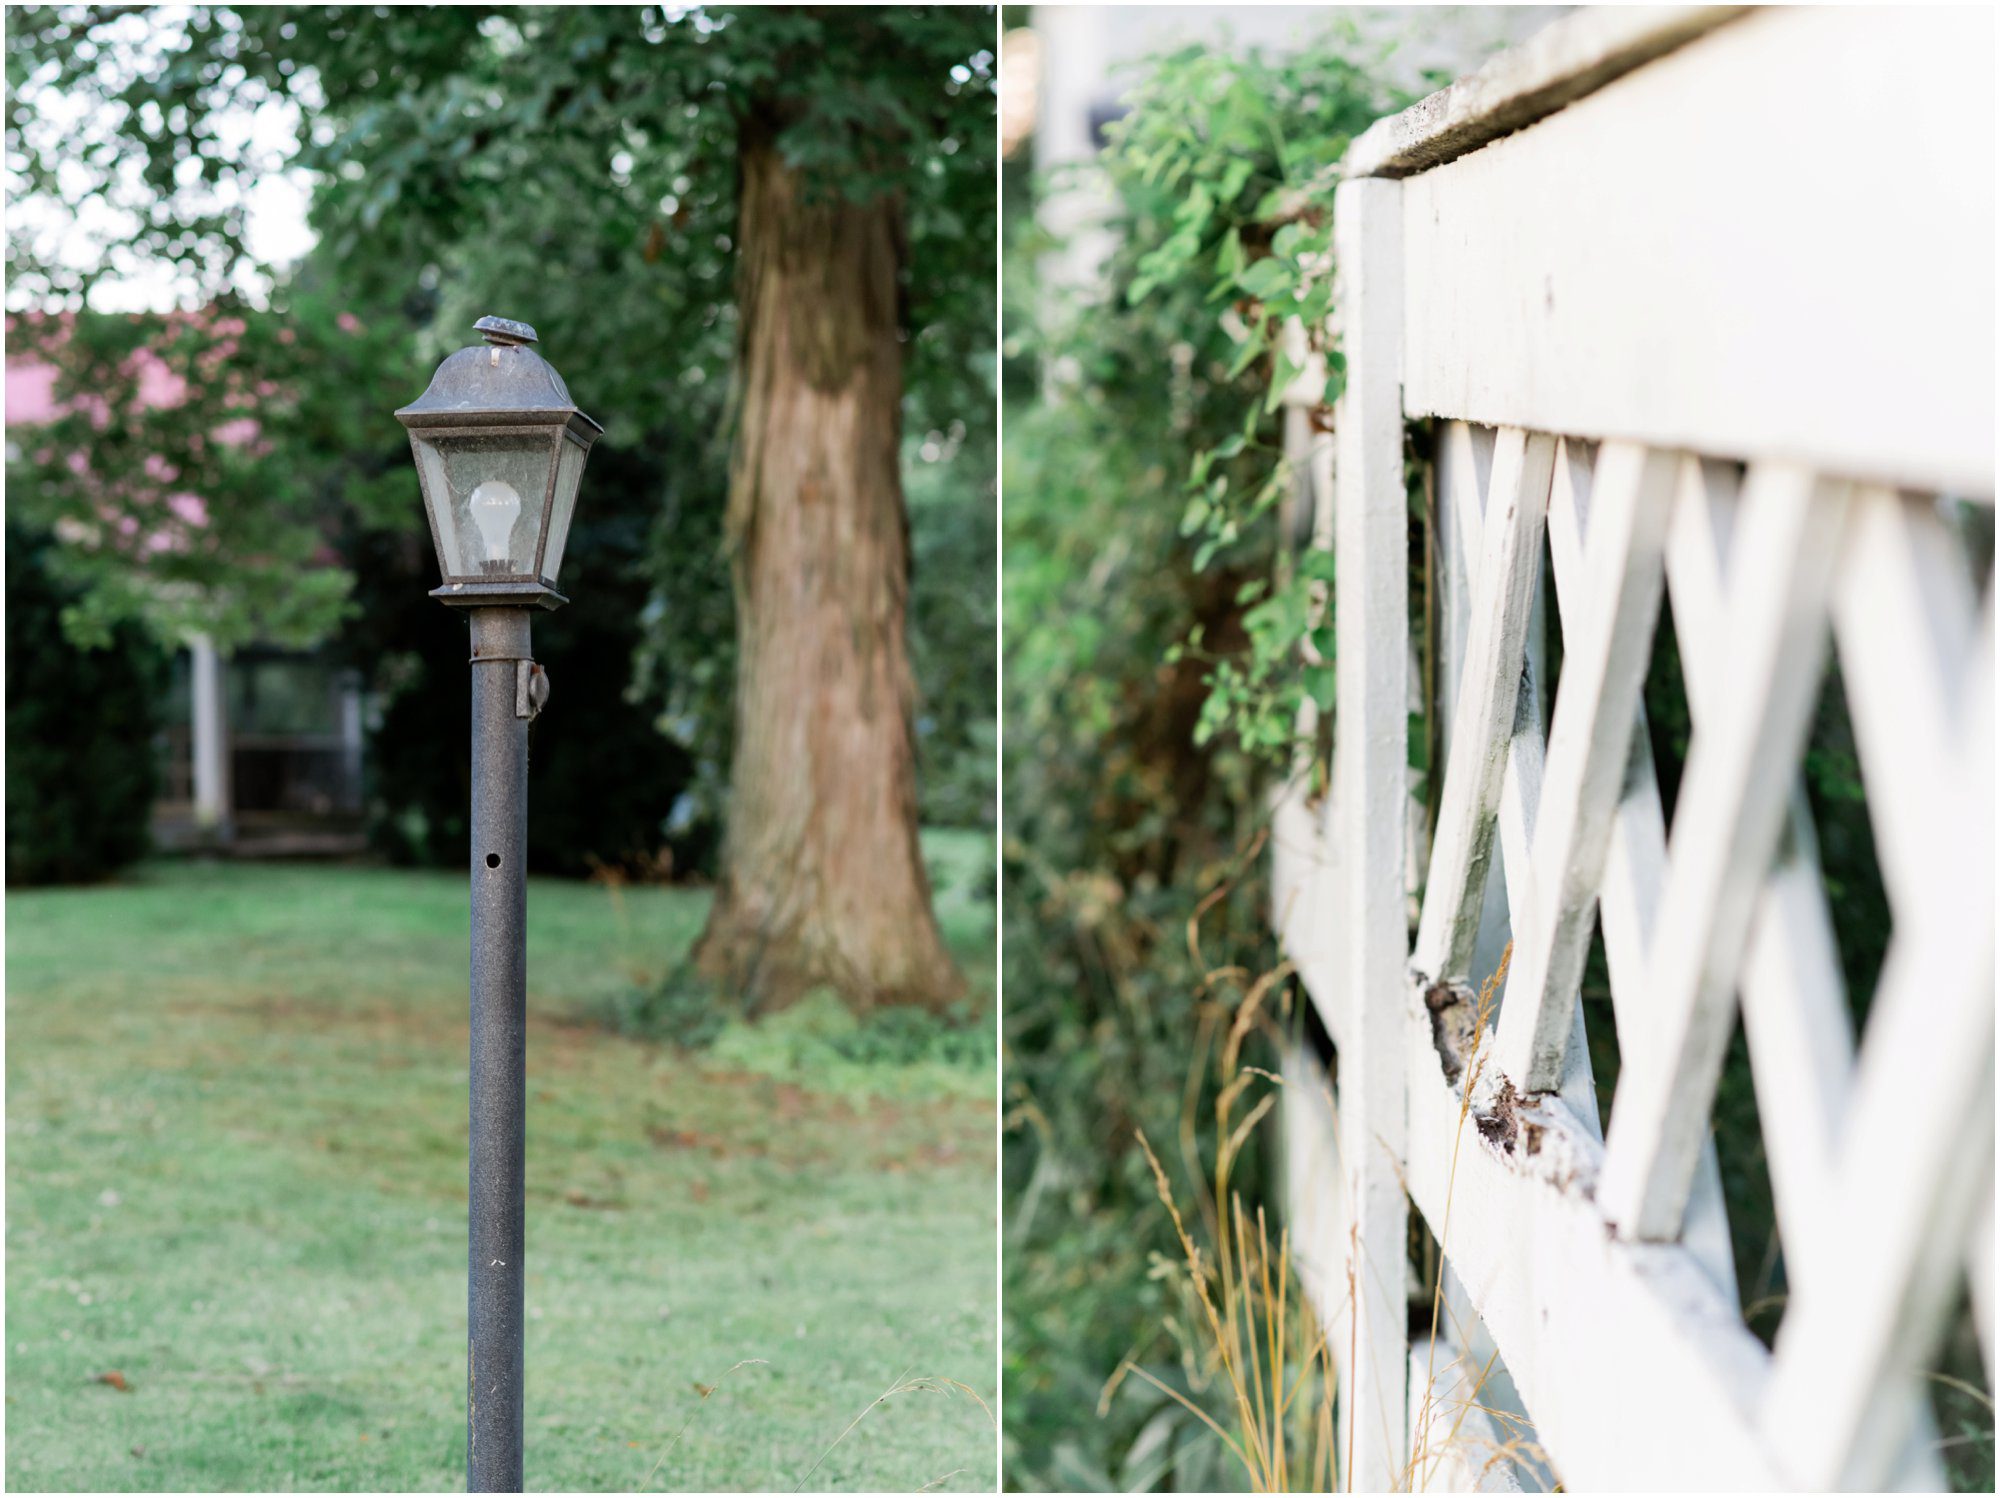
1227,164
573,165
1151,674
682,1009
80,723
953,617
260,415
580,156
894,1052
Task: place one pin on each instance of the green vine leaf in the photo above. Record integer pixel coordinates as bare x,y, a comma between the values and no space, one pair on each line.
1224,169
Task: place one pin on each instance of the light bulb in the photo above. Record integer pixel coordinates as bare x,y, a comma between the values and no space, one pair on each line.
495,507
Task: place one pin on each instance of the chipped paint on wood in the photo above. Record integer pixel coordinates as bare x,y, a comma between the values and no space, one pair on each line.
1789,503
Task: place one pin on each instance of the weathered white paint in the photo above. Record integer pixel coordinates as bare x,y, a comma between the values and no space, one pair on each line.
1726,825
1589,743
1521,780
1801,1041
1497,1392
1905,616
1455,1444
1778,328
1794,1002
1370,529
1916,1162
1315,1207
1794,1006
1305,882
1510,546
1557,65
1464,463
1602,1338
1637,854
1679,258
1520,803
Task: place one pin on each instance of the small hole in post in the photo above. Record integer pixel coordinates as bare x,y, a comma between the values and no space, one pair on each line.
493,860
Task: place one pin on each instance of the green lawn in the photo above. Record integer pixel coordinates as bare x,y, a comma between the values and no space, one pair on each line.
236,1178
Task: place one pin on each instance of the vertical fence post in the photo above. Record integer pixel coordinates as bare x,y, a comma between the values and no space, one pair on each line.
1371,626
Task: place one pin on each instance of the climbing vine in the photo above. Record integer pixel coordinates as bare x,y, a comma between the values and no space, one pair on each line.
1153,672
1228,163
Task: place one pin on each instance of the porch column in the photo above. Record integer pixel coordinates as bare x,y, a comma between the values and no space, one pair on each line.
352,740
212,812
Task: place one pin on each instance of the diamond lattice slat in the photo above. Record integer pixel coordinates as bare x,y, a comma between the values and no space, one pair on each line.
1883,1190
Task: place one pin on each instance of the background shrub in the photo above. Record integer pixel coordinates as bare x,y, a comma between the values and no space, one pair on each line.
1133,759
81,771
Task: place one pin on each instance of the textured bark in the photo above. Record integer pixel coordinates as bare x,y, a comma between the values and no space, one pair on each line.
822,881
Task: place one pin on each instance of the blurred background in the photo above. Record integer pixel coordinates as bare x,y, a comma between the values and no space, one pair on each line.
1160,168
238,240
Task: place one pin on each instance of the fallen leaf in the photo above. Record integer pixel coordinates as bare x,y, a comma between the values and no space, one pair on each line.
704,1390
116,1380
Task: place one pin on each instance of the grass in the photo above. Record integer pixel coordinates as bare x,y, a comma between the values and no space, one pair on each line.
1255,1357
236,1179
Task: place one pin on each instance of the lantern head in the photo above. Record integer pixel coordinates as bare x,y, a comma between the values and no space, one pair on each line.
500,448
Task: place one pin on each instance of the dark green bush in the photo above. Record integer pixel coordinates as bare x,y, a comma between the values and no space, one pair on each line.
903,1035
81,769
953,649
682,1009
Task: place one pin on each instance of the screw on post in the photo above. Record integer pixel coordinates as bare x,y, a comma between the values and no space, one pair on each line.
500,449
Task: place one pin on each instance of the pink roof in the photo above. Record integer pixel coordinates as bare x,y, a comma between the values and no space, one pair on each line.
31,392
31,401
31,383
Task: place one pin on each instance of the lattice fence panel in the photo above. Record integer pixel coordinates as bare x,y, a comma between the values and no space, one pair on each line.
1880,1146
1586,239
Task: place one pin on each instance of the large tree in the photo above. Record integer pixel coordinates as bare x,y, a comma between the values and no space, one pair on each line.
777,219
821,871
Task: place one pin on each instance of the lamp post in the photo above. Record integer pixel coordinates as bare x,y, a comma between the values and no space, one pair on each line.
500,447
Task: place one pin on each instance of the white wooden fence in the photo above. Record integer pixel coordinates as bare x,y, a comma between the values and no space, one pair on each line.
1701,302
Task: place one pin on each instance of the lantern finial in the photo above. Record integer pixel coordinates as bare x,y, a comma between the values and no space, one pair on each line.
503,331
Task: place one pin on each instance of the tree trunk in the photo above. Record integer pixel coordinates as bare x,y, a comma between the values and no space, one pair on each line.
822,880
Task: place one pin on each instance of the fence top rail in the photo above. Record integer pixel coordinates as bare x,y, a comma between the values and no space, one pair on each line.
1558,65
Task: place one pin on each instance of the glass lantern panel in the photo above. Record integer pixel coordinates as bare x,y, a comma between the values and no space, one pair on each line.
569,474
485,493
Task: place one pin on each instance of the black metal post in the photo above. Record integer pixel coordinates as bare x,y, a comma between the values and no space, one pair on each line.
499,1061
